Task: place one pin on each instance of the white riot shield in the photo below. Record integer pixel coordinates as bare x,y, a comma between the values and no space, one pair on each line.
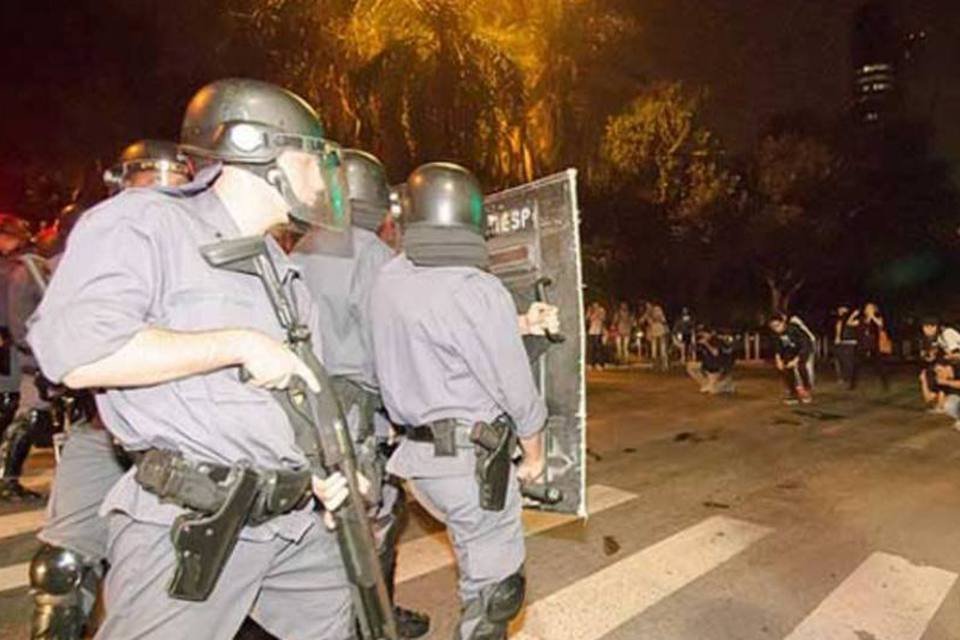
534,243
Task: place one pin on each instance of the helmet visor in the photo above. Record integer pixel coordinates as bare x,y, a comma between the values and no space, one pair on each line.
314,184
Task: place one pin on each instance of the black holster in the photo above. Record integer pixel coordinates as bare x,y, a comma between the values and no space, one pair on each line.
221,501
495,443
203,543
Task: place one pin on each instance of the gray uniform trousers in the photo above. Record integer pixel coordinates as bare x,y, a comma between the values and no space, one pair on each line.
489,545
294,590
88,468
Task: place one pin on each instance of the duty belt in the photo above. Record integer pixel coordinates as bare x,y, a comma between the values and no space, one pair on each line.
205,487
220,502
447,435
493,444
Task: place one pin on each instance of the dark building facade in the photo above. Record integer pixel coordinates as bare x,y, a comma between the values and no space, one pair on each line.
876,54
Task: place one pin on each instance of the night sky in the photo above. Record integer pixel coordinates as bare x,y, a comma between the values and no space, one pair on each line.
94,74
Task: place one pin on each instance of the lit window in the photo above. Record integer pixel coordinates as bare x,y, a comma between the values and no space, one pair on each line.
873,68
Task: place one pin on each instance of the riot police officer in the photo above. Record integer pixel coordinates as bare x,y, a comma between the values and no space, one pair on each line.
455,376
166,336
39,421
147,163
340,279
14,234
66,570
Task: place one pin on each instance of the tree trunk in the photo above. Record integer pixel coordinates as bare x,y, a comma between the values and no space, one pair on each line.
782,289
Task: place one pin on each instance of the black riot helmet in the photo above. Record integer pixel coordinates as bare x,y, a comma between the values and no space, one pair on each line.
444,195
249,124
368,188
14,226
444,218
52,240
147,163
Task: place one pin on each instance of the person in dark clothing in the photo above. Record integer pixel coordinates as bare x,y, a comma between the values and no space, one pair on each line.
937,335
728,353
684,335
930,389
871,337
794,349
596,323
845,343
713,367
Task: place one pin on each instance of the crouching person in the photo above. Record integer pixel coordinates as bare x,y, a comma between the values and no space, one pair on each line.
713,368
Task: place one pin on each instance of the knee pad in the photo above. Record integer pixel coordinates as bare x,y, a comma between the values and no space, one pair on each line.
57,571
503,601
497,605
56,581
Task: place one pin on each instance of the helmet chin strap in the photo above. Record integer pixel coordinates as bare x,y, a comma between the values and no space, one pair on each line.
277,178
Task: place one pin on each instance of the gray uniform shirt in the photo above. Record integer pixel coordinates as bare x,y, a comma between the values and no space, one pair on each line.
9,379
446,345
341,288
23,298
134,262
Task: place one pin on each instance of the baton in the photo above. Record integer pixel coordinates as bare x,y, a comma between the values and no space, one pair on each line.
542,493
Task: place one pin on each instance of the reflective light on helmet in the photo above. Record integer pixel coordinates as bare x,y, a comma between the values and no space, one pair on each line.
476,210
246,137
336,198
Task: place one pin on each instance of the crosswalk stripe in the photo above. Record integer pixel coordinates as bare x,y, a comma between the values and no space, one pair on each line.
417,557
14,576
38,482
15,524
886,597
585,609
427,554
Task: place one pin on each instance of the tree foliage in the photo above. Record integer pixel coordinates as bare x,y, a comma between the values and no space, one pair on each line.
662,146
797,210
500,86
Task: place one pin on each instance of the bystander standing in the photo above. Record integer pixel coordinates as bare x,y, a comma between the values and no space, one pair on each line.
596,319
624,322
657,331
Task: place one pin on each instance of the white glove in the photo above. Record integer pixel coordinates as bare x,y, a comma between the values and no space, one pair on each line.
539,319
332,492
271,365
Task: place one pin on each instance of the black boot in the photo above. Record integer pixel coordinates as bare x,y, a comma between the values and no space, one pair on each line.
9,403
14,448
12,491
411,624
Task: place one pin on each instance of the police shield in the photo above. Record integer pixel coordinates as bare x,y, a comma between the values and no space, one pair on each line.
534,246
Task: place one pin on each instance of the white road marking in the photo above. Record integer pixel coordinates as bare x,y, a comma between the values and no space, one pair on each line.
15,524
38,482
14,576
429,553
596,605
887,597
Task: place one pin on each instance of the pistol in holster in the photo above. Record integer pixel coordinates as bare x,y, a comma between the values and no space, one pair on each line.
494,444
204,542
221,501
